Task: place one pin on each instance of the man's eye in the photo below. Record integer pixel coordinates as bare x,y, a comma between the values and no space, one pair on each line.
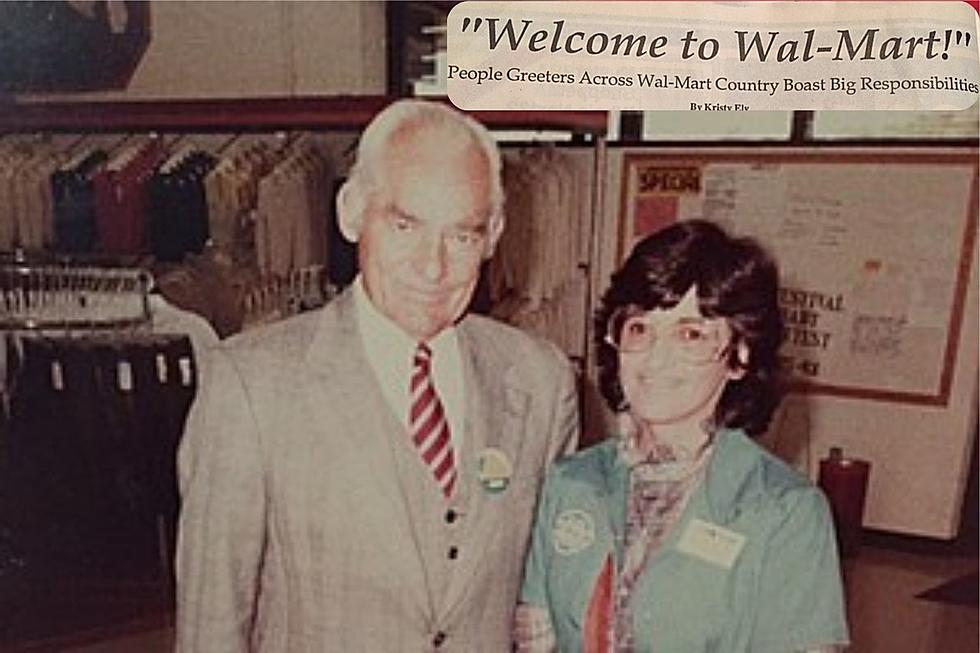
401,223
467,238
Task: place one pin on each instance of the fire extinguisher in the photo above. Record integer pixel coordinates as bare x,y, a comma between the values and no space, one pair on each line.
845,482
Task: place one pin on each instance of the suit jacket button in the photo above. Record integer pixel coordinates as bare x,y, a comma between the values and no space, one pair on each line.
453,552
438,639
451,516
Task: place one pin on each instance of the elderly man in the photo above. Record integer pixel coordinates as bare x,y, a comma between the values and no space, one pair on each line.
362,478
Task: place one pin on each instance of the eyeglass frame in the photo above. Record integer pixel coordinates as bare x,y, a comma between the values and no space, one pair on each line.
624,312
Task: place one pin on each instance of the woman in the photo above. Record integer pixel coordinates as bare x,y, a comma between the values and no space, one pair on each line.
682,534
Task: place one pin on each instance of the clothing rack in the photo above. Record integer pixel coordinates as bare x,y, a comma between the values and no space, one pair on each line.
324,113
87,471
92,405
278,297
49,296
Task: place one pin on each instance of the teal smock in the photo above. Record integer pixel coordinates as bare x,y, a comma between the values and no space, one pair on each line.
782,593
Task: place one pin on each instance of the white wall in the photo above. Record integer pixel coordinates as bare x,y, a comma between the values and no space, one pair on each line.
920,455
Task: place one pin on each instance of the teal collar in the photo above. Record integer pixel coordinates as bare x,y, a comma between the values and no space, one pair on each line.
734,474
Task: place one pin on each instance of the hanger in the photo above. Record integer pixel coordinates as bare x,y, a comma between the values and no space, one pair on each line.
44,297
224,147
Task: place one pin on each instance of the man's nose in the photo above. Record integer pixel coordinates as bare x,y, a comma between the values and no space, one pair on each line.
431,257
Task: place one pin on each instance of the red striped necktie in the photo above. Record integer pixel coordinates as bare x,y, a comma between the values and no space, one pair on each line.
428,425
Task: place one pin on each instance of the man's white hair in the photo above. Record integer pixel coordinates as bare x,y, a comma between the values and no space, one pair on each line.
404,115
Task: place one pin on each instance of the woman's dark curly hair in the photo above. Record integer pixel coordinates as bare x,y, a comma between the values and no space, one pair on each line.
734,279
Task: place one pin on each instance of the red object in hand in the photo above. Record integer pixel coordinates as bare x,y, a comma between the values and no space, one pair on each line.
599,615
845,482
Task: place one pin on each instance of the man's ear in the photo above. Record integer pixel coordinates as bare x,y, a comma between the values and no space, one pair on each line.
496,228
350,210
742,358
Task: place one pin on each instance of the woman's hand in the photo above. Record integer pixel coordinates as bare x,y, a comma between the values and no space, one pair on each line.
533,632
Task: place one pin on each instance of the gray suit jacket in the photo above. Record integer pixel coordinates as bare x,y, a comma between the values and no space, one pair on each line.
293,530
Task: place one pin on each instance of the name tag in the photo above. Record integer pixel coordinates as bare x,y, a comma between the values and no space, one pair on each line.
711,543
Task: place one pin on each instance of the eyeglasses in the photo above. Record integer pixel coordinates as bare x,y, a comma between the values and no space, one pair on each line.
695,341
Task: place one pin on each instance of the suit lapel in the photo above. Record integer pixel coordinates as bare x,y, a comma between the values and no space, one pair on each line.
496,412
358,416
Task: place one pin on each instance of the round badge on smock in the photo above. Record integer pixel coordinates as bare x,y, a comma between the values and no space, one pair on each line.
494,470
574,531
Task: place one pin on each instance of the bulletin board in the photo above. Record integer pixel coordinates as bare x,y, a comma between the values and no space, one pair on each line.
874,248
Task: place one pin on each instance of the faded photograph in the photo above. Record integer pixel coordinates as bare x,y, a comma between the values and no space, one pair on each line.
299,356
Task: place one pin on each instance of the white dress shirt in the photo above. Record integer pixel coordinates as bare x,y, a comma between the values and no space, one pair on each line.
391,355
